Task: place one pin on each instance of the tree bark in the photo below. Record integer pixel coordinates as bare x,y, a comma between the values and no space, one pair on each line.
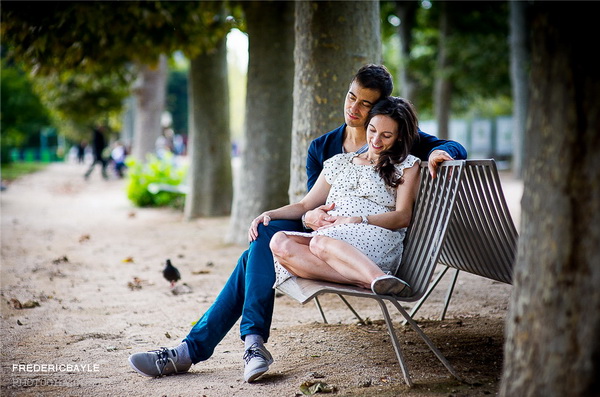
553,326
443,84
519,72
150,93
407,12
264,175
210,176
333,40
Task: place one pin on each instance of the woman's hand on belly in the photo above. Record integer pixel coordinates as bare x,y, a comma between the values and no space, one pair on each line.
341,220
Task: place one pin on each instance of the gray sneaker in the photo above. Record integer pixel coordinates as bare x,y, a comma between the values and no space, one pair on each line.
157,363
388,285
257,360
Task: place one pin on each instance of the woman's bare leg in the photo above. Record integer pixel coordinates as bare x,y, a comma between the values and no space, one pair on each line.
346,260
293,253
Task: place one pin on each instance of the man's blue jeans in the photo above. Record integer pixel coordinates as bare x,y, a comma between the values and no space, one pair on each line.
248,293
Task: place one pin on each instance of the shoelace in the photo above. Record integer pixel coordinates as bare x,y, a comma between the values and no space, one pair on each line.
163,359
253,351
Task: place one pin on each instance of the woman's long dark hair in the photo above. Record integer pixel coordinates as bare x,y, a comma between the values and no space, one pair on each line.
404,114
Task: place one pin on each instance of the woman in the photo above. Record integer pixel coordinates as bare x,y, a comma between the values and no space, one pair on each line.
373,194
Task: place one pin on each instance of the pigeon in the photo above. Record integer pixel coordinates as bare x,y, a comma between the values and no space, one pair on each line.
171,273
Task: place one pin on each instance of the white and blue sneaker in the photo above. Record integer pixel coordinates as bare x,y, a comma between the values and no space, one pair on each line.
257,360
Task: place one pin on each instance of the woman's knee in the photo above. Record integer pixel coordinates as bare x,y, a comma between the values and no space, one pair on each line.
318,245
279,244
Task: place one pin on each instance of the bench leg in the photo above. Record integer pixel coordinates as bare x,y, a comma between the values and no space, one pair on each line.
425,338
430,289
395,342
360,320
449,294
320,310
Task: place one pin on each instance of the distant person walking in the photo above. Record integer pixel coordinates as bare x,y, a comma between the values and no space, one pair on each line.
81,152
98,146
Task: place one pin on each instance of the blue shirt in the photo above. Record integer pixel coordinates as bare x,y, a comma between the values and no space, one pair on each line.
331,143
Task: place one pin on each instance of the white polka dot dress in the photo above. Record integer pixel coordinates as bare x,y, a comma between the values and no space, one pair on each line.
359,190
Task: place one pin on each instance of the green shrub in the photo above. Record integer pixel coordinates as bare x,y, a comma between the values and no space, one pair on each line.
155,170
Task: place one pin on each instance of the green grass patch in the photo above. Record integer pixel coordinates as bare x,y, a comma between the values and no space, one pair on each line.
14,170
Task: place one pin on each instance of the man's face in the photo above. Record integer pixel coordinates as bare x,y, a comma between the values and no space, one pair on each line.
358,102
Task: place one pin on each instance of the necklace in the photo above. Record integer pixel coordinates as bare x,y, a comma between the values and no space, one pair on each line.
368,159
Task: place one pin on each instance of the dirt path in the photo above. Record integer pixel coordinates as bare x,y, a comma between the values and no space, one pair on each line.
89,264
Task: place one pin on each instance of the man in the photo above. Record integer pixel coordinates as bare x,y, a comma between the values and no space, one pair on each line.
249,291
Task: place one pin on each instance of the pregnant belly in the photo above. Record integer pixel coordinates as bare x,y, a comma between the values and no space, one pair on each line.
356,206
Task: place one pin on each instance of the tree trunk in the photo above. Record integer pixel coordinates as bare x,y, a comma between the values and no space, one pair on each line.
333,40
553,325
519,72
210,177
407,12
150,92
443,84
264,176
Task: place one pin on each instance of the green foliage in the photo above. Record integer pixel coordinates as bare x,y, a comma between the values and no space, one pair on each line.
155,170
22,113
12,171
177,99
100,36
82,97
477,47
88,51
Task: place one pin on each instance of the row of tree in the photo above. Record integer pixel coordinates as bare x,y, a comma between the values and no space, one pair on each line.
554,320
89,56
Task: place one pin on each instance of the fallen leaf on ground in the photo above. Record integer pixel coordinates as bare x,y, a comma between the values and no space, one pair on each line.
310,388
60,260
137,283
84,237
27,305
129,259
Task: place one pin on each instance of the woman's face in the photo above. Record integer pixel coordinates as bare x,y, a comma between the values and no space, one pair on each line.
382,133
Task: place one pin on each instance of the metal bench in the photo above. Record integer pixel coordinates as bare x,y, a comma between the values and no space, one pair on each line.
460,221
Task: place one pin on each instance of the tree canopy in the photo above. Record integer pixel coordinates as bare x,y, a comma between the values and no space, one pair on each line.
87,52
91,36
478,51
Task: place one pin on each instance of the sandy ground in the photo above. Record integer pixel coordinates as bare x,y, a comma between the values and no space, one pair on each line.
82,289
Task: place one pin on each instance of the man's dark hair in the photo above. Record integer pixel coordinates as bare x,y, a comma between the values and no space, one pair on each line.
375,77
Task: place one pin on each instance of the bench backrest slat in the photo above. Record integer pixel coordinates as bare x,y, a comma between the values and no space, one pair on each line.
481,237
460,219
431,215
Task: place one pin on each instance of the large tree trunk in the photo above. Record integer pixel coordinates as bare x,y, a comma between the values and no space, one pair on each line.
333,40
553,325
210,177
150,93
264,175
443,84
519,73
407,12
